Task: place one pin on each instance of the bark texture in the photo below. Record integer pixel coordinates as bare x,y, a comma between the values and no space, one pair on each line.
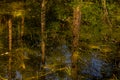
43,8
10,48
75,42
43,21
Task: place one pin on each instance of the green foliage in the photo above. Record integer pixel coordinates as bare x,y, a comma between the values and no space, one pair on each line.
95,35
91,22
32,9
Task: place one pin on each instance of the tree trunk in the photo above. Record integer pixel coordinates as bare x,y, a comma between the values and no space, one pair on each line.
106,17
22,27
10,48
22,31
75,42
19,30
43,12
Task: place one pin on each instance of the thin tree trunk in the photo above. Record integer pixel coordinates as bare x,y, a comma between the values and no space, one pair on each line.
22,27
0,21
19,30
75,42
22,31
43,31
106,17
43,12
10,48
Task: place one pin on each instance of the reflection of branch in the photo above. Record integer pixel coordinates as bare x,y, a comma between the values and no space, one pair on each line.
52,71
1,78
60,69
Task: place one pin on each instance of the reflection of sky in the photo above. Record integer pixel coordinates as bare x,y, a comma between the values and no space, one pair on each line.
18,75
94,65
67,54
94,68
